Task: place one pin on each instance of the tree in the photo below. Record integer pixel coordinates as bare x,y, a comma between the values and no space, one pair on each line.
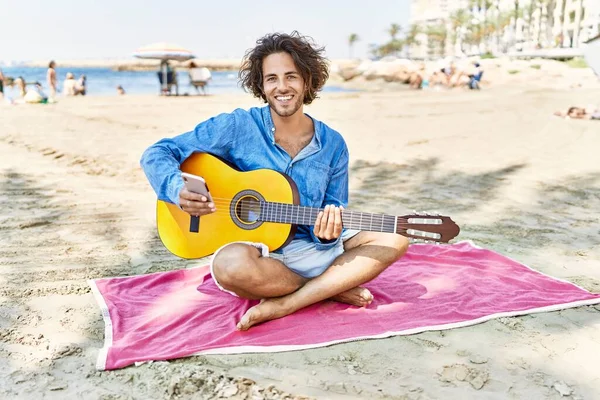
516,14
459,20
374,50
394,30
353,38
411,37
436,38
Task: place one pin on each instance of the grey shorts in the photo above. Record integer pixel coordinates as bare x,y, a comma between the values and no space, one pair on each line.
300,256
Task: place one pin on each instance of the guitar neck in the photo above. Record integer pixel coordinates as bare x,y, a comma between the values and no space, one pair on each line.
301,215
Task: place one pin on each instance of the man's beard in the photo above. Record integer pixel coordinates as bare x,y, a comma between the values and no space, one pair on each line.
275,106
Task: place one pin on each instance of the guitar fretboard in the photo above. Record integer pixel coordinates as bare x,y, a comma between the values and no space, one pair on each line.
301,215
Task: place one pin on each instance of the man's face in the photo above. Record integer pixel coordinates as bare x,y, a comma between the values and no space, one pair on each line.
282,84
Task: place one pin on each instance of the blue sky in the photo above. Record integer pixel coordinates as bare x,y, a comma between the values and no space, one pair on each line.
87,29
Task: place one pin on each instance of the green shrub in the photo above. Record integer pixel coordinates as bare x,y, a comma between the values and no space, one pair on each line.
513,71
487,55
577,62
535,66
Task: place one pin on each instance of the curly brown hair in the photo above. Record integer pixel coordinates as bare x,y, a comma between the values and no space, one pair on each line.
308,57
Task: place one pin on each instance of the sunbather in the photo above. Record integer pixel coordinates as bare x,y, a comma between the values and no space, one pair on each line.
579,113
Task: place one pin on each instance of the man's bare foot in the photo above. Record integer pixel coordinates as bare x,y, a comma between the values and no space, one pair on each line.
269,309
358,296
266,310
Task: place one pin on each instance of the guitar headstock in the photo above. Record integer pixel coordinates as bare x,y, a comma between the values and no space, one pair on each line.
427,227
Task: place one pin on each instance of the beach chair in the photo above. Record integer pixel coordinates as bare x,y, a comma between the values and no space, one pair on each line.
171,82
199,78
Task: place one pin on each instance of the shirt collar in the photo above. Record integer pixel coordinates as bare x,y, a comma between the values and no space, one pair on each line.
270,126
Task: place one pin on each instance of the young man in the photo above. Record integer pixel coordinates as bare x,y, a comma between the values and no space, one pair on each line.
323,261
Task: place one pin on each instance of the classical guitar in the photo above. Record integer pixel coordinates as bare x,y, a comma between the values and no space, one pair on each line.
263,206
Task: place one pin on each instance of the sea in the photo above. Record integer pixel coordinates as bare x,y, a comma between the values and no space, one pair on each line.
104,81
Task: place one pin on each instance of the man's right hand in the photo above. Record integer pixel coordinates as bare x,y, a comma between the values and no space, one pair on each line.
195,204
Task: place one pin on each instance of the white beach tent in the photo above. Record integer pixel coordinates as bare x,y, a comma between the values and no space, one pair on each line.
164,51
591,52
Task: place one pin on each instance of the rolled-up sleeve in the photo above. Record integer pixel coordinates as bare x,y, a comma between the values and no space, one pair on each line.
162,160
336,194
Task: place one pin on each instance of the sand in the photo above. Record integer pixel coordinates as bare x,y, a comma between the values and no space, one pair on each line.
75,205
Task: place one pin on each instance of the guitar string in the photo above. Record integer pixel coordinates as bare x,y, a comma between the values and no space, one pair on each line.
376,217
227,201
273,205
389,226
349,223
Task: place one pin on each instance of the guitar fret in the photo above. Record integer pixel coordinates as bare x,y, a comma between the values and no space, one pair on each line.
303,215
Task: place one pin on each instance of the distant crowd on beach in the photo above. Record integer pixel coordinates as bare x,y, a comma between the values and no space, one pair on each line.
23,90
33,92
441,74
449,75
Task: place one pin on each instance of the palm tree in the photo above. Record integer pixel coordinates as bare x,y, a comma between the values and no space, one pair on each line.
563,17
459,21
436,37
353,38
516,21
550,8
579,16
410,38
394,30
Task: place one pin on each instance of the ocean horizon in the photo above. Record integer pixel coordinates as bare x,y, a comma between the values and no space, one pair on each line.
104,81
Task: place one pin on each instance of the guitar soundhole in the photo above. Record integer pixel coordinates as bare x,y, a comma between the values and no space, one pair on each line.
248,210
245,209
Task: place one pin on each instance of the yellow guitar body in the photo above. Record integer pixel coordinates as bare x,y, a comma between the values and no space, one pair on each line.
230,189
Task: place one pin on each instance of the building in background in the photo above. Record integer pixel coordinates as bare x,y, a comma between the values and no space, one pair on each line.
468,27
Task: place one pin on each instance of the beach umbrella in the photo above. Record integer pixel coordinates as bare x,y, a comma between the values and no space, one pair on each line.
591,52
164,52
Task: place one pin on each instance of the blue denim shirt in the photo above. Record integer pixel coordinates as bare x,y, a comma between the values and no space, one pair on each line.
247,140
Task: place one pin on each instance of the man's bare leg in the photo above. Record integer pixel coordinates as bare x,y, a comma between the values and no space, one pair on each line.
241,269
366,255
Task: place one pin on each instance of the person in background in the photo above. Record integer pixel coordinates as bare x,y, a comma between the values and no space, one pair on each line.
580,113
475,76
199,77
81,86
449,72
69,85
51,79
21,86
1,84
35,94
120,90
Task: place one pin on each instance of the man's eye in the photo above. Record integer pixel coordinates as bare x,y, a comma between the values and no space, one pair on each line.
291,77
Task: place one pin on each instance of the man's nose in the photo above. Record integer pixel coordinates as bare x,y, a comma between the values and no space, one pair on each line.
282,83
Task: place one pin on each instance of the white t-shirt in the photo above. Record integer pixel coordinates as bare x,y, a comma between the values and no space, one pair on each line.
69,87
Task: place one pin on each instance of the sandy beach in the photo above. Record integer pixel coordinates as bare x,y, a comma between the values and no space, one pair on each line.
76,205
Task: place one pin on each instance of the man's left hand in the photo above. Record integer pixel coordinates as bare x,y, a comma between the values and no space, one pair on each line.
328,225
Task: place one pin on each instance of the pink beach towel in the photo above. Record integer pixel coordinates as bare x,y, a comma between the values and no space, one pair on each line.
173,314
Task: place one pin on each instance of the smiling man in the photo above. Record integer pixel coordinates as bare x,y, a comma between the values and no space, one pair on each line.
323,261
